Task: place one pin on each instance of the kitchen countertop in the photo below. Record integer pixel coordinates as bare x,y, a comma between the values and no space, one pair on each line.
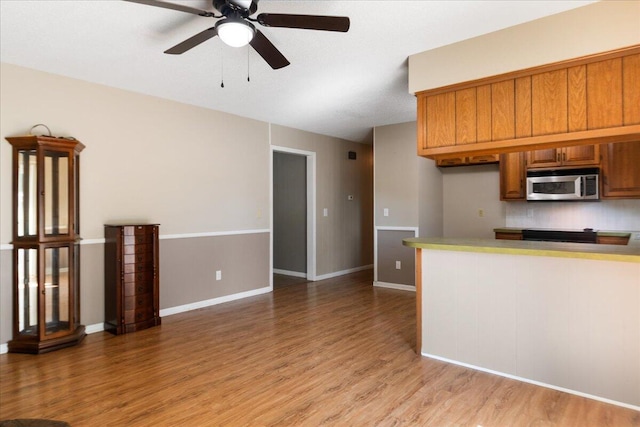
624,253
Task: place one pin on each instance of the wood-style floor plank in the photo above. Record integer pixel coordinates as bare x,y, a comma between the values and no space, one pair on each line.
332,353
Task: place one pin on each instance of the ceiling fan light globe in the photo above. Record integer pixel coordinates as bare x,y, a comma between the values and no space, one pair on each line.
235,33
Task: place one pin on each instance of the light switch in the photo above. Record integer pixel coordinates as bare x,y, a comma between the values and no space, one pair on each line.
325,212
385,212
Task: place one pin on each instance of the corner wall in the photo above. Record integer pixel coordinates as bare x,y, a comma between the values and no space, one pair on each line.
344,239
409,188
203,175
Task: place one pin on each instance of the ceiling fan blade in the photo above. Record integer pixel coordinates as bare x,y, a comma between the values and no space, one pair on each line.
268,51
192,42
307,22
173,6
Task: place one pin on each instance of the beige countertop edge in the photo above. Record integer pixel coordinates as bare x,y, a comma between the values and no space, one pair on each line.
601,255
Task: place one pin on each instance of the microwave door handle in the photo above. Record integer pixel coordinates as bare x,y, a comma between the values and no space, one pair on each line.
582,185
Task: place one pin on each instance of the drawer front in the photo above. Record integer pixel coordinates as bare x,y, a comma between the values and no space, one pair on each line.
137,288
141,277
137,249
138,239
133,230
139,258
138,315
138,302
137,267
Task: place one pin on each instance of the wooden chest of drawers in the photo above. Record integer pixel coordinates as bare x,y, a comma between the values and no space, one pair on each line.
131,277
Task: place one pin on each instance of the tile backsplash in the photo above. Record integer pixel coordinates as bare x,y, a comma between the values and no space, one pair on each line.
608,215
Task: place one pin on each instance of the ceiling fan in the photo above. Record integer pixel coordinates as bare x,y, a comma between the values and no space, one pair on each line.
235,27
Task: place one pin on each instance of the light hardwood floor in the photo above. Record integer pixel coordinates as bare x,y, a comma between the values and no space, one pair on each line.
337,352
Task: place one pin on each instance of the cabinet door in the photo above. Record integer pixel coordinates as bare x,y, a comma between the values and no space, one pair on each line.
544,158
631,85
441,120
489,158
466,116
512,176
581,155
451,161
503,122
549,102
604,87
577,98
620,171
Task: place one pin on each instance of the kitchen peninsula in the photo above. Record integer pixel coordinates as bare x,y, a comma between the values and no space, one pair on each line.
561,315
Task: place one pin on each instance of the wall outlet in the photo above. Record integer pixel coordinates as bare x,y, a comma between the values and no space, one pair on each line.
325,212
481,213
350,197
218,274
637,236
398,265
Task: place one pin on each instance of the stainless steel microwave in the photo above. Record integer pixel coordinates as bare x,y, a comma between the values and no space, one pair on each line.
563,184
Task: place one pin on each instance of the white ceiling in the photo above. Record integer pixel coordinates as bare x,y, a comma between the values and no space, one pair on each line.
338,84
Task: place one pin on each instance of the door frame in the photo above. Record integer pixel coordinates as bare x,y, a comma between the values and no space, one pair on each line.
311,207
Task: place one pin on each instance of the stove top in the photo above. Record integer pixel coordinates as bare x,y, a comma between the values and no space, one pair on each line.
586,235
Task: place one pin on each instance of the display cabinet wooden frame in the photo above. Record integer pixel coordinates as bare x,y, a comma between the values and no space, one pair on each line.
46,250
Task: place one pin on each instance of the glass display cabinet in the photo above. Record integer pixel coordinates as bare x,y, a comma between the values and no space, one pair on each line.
46,250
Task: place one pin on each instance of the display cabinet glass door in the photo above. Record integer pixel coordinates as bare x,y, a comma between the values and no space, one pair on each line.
56,193
57,289
27,203
27,292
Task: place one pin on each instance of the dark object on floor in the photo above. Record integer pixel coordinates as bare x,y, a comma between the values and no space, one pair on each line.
33,423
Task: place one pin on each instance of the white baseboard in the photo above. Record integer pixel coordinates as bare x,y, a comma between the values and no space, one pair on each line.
409,288
92,329
538,383
214,301
343,272
99,327
290,273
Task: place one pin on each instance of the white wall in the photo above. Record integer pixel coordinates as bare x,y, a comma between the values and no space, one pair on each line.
472,206
586,30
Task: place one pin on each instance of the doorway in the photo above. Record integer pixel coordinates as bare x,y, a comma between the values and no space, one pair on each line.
293,248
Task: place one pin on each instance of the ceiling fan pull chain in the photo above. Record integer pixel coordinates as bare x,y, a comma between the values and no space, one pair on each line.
222,69
248,67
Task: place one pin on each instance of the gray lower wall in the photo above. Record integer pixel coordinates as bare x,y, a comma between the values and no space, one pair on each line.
188,267
390,250
187,273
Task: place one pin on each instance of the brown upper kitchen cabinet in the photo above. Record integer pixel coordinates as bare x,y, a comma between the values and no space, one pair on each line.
512,176
584,101
582,155
620,170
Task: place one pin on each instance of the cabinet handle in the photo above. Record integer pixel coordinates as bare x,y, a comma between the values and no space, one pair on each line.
558,157
564,156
